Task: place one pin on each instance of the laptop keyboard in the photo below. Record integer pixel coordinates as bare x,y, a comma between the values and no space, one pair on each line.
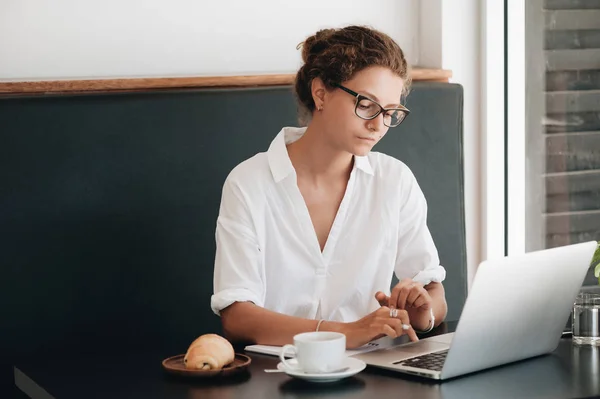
431,361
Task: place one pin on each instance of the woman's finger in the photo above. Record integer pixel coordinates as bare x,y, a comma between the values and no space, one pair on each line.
382,311
403,296
397,325
383,299
406,327
415,292
396,292
401,324
422,301
389,331
394,296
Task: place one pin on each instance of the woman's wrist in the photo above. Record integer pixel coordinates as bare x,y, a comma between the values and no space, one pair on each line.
334,326
430,322
420,319
343,328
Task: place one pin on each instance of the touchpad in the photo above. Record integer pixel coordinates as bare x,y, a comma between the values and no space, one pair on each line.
418,348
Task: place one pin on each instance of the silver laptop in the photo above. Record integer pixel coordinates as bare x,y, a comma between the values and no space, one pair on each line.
517,308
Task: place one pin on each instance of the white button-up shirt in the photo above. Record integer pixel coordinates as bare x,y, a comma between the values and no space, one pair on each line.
268,252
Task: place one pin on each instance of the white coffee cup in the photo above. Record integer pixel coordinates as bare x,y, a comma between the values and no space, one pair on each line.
316,352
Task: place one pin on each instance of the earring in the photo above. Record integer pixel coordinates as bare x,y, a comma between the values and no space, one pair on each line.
320,108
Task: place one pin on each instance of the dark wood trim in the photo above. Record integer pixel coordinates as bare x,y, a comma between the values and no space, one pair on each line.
135,84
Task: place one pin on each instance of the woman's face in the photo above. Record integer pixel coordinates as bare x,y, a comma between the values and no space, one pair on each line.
344,129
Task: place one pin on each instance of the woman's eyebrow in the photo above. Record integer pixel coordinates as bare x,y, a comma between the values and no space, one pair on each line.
374,97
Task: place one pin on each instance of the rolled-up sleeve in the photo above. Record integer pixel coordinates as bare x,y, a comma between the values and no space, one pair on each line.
417,257
238,269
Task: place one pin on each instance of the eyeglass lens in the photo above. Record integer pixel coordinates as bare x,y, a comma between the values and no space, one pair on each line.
368,109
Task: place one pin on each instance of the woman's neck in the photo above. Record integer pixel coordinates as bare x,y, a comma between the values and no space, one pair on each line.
314,158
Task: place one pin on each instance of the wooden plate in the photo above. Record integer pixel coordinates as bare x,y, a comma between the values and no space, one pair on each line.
174,366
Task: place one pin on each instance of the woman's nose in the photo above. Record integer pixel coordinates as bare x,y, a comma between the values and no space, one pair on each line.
376,124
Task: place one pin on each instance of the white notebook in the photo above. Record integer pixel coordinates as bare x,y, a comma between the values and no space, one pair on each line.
275,350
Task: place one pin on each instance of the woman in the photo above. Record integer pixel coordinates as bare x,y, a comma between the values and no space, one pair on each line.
310,232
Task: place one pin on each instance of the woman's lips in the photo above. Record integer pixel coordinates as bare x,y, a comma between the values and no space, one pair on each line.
370,139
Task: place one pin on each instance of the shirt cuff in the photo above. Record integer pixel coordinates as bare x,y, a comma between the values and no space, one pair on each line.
225,298
435,274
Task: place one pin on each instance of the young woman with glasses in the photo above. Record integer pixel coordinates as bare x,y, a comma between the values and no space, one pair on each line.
311,231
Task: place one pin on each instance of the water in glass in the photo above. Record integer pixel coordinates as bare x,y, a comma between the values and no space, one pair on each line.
586,319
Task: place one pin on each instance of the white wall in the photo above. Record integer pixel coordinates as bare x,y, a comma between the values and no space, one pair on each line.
461,35
450,32
70,39
492,125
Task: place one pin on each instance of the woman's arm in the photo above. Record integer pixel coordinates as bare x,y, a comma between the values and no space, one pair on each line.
244,321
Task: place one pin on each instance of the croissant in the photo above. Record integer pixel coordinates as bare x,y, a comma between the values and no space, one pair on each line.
209,352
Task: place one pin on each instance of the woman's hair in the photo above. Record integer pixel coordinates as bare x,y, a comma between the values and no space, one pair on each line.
336,55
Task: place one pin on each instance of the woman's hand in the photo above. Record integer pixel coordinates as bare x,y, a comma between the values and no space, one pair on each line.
378,324
406,294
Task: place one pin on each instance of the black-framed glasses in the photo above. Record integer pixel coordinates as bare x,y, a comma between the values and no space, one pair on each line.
368,109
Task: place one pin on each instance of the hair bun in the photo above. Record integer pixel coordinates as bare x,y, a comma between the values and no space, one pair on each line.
316,43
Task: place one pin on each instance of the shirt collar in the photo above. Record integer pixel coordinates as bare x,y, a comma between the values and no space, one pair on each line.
363,164
279,160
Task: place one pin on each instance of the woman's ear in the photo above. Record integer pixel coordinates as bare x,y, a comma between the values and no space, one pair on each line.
318,91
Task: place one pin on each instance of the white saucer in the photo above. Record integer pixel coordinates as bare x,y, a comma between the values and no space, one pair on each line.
354,366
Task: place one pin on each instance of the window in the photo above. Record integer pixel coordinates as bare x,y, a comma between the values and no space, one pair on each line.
553,123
